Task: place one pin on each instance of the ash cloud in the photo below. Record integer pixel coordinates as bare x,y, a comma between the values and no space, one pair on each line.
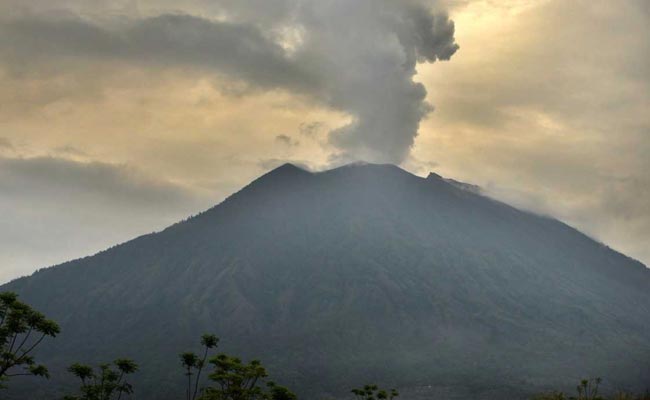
367,53
358,57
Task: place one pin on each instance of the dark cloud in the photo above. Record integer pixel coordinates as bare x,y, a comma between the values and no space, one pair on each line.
239,50
65,180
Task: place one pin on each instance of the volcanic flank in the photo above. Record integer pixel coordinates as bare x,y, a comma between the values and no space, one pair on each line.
363,273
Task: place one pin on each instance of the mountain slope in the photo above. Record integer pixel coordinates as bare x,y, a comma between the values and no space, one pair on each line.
361,273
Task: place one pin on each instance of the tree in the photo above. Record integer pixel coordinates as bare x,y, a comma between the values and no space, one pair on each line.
22,329
280,392
234,380
108,384
588,389
192,362
373,392
239,381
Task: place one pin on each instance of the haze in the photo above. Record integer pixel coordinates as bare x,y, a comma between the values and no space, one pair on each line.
119,118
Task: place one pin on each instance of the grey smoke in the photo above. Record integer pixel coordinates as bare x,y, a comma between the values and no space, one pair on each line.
366,54
358,57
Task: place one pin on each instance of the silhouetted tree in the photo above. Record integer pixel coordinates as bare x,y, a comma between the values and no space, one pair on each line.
193,364
22,329
233,379
373,392
588,389
280,392
108,384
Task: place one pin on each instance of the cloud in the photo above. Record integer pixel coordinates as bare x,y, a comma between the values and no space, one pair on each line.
355,57
53,209
551,113
93,181
239,50
366,54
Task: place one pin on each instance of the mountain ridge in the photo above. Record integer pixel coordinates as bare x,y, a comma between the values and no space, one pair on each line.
295,169
356,273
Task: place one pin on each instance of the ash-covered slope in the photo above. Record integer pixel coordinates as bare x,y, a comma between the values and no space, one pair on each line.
362,273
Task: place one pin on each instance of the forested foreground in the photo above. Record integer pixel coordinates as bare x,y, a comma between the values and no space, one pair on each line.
209,375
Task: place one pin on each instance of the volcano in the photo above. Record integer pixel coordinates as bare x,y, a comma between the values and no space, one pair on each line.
363,273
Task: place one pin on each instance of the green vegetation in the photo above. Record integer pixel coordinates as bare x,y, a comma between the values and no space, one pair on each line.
372,392
22,329
235,380
193,364
107,384
232,379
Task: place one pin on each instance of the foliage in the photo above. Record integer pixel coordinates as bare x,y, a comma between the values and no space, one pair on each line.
373,392
280,392
233,379
108,383
193,364
588,389
22,329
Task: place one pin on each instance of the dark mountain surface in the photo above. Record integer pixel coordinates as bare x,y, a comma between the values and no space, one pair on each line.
363,273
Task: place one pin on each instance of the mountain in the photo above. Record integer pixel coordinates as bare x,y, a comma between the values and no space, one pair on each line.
363,273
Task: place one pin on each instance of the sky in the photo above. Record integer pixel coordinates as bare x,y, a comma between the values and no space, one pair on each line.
118,118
